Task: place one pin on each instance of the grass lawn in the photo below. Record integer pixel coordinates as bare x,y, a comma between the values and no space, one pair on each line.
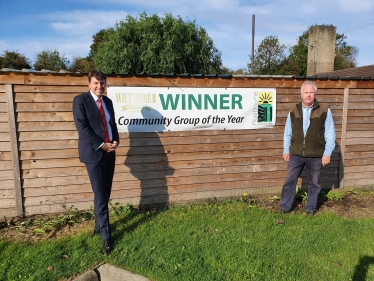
230,240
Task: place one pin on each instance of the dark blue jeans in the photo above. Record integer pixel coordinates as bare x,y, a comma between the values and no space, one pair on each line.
295,166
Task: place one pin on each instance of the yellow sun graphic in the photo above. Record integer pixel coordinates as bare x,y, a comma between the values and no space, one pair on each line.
265,98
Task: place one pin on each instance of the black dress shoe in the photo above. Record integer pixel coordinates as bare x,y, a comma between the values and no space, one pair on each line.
308,213
95,231
107,247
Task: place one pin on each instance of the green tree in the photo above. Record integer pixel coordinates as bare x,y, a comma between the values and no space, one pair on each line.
155,45
80,64
269,56
226,70
239,71
299,54
98,38
288,67
51,60
13,59
345,55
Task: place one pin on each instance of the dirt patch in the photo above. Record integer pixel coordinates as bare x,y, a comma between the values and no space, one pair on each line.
35,228
16,231
349,204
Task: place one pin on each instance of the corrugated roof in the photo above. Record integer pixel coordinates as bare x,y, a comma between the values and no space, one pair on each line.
362,71
359,73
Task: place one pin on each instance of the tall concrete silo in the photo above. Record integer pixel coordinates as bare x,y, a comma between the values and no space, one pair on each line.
321,49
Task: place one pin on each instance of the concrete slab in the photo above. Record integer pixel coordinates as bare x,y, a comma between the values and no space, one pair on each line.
109,272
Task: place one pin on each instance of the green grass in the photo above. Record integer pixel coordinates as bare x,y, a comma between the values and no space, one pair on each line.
231,240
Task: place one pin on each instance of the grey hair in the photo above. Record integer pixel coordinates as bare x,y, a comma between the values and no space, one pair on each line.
309,83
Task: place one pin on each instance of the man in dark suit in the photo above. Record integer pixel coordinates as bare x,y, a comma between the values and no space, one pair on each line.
98,139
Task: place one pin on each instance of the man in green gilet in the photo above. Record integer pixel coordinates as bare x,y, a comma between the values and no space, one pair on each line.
309,139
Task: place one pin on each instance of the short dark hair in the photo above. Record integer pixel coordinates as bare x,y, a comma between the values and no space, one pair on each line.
96,74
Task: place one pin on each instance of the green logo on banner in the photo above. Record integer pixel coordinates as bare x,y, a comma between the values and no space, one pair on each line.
265,107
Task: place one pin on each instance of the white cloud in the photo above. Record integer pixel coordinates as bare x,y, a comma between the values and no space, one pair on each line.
72,28
357,6
306,8
84,22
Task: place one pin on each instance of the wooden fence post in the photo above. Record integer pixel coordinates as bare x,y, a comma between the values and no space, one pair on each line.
14,149
343,137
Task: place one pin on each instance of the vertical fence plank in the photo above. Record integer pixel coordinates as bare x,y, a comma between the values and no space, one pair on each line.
14,149
343,137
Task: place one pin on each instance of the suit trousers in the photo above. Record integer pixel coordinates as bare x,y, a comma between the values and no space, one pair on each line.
101,177
295,166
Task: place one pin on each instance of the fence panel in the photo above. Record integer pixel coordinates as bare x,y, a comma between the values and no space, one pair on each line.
168,166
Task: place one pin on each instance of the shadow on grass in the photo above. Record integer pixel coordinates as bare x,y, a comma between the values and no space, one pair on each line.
362,268
3,246
136,219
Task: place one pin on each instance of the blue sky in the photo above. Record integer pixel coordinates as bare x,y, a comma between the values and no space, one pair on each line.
32,26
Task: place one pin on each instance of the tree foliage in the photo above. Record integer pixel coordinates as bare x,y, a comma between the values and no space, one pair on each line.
299,54
155,45
80,64
51,60
98,38
239,71
13,59
345,55
269,56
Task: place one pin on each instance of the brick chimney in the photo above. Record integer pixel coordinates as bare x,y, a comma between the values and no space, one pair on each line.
321,49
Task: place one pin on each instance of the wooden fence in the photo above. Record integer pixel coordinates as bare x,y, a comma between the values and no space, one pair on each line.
40,171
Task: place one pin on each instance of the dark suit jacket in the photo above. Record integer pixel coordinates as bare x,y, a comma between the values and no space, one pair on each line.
90,127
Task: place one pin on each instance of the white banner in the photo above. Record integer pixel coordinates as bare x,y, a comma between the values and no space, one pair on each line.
159,109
